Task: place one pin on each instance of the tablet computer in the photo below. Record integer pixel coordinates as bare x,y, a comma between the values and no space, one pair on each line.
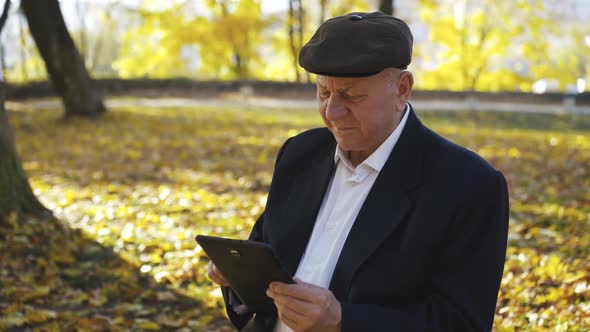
248,266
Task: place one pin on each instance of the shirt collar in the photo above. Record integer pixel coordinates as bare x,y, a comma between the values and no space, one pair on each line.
377,159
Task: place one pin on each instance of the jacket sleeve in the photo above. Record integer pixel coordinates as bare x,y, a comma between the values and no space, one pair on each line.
236,311
466,278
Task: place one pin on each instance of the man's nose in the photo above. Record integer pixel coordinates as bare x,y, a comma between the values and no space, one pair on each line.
335,109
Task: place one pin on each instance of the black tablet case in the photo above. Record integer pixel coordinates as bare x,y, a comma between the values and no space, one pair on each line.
248,266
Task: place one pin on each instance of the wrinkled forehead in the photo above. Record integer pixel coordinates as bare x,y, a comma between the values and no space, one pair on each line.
340,82
352,82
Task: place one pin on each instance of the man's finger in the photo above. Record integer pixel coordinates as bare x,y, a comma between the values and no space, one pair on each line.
216,279
301,292
216,276
291,302
289,322
288,316
217,272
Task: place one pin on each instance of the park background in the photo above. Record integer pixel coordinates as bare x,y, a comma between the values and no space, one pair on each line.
137,124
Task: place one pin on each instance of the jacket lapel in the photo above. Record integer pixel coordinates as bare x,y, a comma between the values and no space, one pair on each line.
386,205
305,198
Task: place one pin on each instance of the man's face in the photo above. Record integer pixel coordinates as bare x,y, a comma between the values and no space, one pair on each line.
360,112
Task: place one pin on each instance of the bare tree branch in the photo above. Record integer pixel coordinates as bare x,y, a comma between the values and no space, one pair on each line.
387,7
4,14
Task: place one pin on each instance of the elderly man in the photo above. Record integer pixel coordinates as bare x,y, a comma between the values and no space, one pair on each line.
386,225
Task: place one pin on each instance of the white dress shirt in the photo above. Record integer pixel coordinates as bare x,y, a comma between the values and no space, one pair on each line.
347,192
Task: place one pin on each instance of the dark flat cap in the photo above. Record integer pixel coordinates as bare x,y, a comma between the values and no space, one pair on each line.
358,44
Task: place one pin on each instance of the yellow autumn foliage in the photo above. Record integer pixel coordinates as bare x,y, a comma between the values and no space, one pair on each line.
131,263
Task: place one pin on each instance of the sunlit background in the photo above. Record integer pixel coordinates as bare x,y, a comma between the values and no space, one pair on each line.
485,45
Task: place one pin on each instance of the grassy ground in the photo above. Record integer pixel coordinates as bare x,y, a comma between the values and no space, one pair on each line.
133,189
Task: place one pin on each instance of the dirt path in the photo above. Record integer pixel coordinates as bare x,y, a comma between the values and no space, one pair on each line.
267,102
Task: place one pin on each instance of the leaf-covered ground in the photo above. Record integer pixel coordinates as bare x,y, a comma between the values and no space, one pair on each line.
135,187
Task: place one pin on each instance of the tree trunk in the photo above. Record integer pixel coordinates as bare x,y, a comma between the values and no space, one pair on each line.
300,31
387,7
82,33
239,68
62,60
293,47
15,192
3,18
23,49
323,4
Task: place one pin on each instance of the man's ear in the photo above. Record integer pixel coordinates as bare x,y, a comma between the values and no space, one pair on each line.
405,85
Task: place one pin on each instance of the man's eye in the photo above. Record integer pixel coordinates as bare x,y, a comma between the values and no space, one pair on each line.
325,94
354,98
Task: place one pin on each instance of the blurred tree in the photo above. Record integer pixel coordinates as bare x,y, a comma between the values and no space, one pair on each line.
62,60
23,49
82,32
296,28
29,65
103,47
343,7
291,27
387,6
474,40
99,47
323,4
226,38
229,41
558,51
163,34
15,192
233,20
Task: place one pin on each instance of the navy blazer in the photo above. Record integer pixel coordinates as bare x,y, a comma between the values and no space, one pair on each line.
427,249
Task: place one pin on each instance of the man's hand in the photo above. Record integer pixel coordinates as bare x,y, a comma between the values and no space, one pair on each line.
305,307
215,275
